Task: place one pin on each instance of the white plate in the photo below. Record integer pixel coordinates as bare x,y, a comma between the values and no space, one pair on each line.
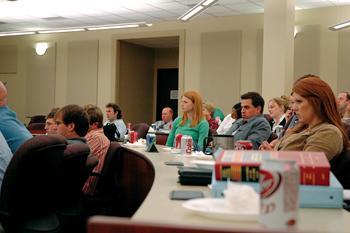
166,149
135,145
217,208
204,164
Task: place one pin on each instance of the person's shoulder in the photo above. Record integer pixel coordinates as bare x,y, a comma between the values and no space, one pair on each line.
5,108
178,119
261,118
326,127
203,122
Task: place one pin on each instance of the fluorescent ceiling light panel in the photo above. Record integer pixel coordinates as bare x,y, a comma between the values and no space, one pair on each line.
16,33
62,30
192,13
208,2
197,9
339,26
112,27
119,26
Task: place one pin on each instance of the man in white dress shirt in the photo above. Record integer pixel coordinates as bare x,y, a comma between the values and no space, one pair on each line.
114,128
167,120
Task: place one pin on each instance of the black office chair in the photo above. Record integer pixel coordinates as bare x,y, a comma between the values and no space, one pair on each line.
103,201
73,179
30,191
141,129
340,166
134,179
104,224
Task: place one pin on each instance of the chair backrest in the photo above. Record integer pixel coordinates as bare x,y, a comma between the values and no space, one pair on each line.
135,176
105,182
74,173
37,128
91,163
37,119
141,129
347,128
104,224
110,130
161,138
30,186
340,166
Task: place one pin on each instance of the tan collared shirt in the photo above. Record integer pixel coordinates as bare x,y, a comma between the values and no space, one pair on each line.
323,137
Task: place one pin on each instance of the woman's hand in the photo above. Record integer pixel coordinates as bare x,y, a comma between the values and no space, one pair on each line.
266,146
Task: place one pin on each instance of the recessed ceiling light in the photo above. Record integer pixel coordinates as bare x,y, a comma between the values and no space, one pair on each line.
197,9
340,26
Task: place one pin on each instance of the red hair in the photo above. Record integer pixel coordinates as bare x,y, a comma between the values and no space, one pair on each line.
197,114
321,97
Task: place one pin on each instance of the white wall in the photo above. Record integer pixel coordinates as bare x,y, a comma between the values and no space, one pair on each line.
330,58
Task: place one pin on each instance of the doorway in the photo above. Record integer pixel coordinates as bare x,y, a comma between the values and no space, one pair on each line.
167,90
141,61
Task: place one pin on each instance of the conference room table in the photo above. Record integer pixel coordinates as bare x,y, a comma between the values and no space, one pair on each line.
157,207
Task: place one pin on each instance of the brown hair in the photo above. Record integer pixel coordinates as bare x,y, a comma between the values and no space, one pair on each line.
197,115
52,113
94,114
75,114
321,97
116,108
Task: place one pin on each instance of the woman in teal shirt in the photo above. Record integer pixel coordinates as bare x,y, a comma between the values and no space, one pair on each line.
192,122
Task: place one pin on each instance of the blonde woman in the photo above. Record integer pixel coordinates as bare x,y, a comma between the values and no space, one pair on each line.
192,122
208,110
277,108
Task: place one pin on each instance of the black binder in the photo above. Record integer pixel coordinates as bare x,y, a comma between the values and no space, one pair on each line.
194,176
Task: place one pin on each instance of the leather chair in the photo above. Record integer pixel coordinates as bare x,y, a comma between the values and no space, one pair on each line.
141,129
103,201
30,191
73,179
123,184
37,128
104,224
37,119
135,175
340,166
161,138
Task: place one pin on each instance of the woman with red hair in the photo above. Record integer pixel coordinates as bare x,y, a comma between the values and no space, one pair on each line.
319,126
192,122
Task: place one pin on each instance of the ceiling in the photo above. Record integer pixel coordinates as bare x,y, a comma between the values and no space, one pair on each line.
33,15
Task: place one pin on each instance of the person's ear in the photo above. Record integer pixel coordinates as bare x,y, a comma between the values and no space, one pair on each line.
71,127
94,125
259,109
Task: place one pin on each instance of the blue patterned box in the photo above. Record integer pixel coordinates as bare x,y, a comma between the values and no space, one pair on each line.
310,196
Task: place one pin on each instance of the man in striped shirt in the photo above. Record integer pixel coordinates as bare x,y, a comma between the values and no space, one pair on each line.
97,142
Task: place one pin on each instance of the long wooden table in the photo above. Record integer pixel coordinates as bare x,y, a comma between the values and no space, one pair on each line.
157,206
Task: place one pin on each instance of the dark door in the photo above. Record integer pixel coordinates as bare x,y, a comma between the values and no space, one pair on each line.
167,87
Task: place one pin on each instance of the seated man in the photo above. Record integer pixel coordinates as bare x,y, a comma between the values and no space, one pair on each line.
97,142
167,120
5,157
114,128
252,126
50,123
12,129
72,123
343,104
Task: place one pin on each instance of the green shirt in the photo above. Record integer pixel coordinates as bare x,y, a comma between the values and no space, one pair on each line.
218,113
198,133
